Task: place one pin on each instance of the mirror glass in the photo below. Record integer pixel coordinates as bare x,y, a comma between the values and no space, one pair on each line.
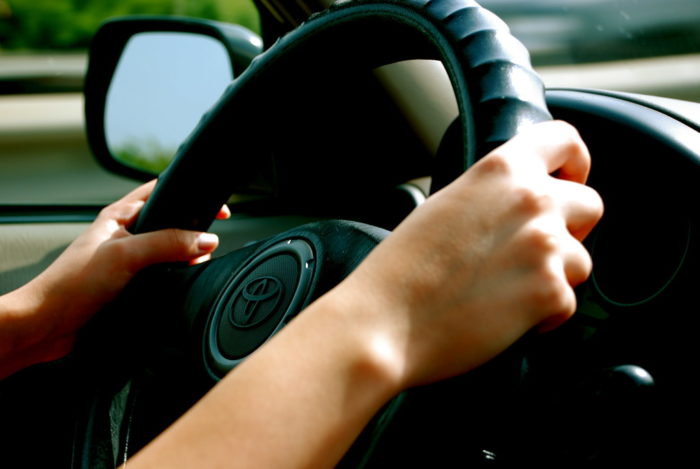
162,85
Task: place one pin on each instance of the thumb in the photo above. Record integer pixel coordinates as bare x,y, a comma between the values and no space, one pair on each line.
169,245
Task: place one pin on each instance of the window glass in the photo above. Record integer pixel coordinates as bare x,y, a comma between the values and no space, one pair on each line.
643,46
44,156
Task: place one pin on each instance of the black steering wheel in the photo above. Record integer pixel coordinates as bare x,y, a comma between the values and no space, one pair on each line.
497,92
201,321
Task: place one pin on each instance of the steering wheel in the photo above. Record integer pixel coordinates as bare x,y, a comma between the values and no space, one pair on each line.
211,316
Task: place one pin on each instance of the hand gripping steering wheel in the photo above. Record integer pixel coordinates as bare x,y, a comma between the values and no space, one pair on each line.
225,309
497,91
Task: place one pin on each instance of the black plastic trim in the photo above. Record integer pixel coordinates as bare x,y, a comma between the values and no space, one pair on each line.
15,214
643,100
106,49
647,121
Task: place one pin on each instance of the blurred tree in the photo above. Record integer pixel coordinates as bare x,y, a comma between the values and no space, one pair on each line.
69,24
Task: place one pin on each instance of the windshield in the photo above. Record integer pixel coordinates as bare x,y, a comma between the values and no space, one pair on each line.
642,46
44,155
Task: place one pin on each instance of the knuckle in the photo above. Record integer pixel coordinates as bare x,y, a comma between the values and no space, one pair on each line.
553,296
587,266
495,164
540,242
120,232
569,140
107,212
586,260
591,212
583,266
532,202
567,304
597,206
174,237
178,239
120,211
116,249
567,131
572,143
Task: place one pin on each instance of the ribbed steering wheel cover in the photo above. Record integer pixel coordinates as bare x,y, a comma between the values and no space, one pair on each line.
497,91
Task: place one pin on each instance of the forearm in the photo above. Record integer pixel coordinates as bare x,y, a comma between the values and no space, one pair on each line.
40,320
22,337
300,401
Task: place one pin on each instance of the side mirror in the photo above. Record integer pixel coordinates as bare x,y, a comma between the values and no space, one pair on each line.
149,82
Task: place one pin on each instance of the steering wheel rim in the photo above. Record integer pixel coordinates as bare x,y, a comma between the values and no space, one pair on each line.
489,70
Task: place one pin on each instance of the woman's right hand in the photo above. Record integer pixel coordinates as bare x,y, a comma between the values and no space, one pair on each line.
489,257
492,255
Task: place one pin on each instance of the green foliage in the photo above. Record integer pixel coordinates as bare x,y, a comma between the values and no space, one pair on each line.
69,24
147,156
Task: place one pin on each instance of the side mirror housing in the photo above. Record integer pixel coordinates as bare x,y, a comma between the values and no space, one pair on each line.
150,80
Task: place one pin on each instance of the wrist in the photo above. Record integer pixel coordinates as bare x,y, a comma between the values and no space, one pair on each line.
367,335
16,322
324,376
26,332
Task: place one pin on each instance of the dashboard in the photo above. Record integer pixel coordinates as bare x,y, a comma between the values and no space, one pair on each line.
610,386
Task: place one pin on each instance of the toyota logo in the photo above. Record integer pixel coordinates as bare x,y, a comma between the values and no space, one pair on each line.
255,301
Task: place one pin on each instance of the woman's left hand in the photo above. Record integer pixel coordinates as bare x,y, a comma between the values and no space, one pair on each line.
40,320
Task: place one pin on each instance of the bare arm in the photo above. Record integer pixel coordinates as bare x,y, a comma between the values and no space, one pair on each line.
39,321
489,257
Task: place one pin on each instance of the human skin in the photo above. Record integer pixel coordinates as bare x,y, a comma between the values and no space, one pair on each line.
485,260
40,320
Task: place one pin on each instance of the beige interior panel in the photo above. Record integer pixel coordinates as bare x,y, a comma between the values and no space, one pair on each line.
26,249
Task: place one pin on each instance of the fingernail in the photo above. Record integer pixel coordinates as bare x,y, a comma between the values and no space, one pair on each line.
207,242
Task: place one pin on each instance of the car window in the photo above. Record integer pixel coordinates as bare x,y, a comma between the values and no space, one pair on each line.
44,156
642,46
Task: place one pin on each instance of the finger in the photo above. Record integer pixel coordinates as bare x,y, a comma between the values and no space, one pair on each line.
200,259
582,207
553,322
577,261
170,245
224,213
129,212
555,144
558,291
140,193
566,154
125,210
122,212
577,265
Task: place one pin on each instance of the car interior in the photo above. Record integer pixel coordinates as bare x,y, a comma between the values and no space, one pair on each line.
336,146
